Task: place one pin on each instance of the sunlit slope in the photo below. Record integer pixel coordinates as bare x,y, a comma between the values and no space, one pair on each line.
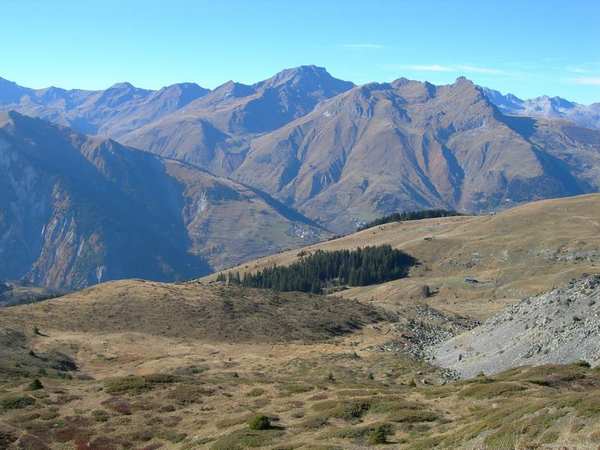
521,251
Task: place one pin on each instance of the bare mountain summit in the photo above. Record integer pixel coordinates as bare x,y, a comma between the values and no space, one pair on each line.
111,112
343,154
214,131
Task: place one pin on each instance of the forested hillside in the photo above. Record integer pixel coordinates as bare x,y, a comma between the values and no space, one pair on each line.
315,272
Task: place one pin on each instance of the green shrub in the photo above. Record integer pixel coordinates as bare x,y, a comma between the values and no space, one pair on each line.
135,385
259,423
100,415
16,402
35,385
412,416
129,384
160,378
379,435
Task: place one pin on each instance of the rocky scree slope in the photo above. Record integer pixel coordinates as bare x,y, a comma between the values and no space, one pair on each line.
558,327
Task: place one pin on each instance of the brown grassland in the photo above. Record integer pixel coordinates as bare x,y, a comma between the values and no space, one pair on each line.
192,365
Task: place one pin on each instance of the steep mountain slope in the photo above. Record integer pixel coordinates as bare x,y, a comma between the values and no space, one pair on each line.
343,155
380,148
77,210
213,131
558,327
111,112
587,116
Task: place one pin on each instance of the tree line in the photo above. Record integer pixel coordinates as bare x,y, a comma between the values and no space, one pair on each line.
323,269
410,215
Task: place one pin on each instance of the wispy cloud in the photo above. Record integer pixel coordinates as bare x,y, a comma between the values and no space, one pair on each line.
363,46
587,81
459,68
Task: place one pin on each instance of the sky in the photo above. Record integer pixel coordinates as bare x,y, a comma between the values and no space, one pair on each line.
526,47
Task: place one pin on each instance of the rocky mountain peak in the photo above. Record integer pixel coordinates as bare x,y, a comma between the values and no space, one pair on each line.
232,89
122,86
182,93
307,77
552,102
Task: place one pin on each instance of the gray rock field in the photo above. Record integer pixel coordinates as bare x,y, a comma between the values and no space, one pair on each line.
560,326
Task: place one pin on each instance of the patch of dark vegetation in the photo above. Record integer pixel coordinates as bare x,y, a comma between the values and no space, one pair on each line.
327,269
260,422
35,385
380,434
410,215
349,410
7,438
188,394
374,434
136,385
15,402
100,415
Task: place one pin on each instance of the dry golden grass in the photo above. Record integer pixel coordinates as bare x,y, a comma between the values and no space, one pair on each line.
513,254
193,311
187,366
316,395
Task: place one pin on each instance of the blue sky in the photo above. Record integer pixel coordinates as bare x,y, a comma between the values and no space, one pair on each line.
527,47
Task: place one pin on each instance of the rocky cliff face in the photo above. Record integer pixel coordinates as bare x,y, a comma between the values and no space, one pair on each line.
77,211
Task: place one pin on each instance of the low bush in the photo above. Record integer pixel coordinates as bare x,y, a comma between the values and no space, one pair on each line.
35,385
379,435
16,402
260,422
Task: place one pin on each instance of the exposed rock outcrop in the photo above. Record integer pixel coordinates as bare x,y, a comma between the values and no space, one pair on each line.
558,327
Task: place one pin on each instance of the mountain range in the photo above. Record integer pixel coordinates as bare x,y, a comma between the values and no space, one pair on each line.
174,183
547,107
77,210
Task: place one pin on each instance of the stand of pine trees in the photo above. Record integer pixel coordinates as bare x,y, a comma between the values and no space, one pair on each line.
411,215
313,273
